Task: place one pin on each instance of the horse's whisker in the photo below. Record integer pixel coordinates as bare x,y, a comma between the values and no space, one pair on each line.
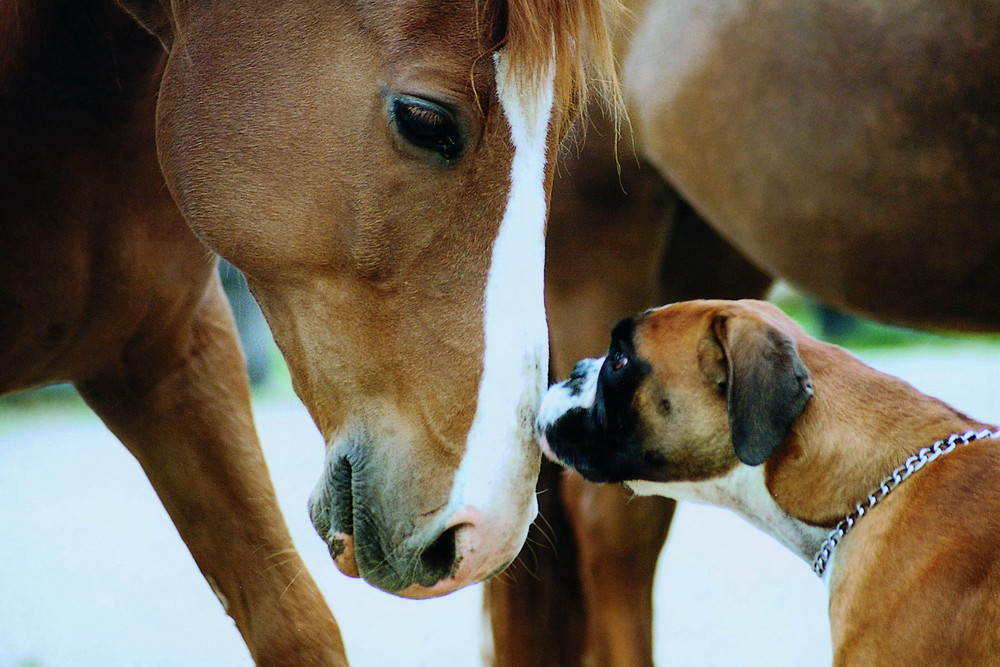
290,583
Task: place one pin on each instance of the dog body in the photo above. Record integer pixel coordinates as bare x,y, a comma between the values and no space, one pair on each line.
733,404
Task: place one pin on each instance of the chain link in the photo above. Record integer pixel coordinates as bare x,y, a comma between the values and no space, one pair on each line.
911,465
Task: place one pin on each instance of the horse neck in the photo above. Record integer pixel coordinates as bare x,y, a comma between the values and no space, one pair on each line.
76,52
19,27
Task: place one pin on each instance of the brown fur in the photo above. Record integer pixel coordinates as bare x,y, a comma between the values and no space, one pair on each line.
264,123
576,33
928,552
827,143
103,285
850,148
858,425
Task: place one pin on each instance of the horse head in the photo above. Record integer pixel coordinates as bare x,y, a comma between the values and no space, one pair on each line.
380,171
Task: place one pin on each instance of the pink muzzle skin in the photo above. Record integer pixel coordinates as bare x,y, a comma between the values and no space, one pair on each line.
345,560
473,558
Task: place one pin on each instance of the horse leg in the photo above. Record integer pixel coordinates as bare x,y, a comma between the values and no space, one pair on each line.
617,243
619,537
605,241
535,606
179,400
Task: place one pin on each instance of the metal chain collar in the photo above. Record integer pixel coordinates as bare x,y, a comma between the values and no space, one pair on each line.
910,466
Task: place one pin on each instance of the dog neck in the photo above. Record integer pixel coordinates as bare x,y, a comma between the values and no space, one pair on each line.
841,447
743,490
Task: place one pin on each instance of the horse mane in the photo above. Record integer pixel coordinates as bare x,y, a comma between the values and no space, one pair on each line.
577,34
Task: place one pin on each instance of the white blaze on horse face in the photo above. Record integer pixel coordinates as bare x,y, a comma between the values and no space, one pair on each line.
497,474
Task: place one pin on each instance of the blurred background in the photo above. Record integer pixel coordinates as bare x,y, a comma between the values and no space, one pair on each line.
92,571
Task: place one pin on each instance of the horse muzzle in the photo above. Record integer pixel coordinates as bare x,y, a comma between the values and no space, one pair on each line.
367,513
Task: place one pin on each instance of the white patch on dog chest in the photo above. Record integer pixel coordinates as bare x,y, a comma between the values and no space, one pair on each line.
743,491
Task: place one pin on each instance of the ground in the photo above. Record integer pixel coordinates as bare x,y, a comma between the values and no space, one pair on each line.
92,572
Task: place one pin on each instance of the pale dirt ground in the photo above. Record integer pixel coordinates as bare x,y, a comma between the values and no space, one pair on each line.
92,572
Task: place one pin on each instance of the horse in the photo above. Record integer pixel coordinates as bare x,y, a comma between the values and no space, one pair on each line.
849,148
379,171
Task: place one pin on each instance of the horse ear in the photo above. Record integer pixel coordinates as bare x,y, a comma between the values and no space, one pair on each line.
767,385
151,15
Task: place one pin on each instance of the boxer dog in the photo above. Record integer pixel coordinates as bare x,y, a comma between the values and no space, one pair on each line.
733,404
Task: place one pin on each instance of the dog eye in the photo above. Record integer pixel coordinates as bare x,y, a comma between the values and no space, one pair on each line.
619,362
427,125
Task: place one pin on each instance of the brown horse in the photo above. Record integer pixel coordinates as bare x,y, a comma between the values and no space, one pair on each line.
379,171
852,148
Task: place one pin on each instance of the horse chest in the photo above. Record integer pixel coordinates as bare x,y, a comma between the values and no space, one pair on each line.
73,295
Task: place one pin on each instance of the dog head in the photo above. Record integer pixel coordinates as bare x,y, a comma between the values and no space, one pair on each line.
685,393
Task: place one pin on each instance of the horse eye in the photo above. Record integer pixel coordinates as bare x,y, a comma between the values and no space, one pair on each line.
427,125
619,362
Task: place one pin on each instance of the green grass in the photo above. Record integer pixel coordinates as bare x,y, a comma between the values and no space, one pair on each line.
864,334
62,397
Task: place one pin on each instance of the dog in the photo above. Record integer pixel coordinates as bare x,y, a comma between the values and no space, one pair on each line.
731,403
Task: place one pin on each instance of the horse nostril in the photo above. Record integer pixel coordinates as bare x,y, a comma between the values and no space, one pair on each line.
440,558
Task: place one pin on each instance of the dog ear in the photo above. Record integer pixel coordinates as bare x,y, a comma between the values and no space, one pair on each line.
767,385
151,15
